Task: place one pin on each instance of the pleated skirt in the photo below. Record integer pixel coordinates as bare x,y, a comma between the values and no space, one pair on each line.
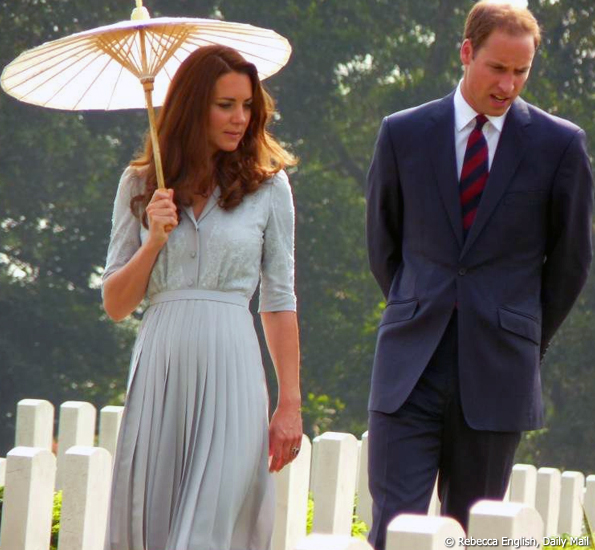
191,468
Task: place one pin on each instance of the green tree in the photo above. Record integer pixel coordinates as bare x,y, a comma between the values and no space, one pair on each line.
354,61
56,184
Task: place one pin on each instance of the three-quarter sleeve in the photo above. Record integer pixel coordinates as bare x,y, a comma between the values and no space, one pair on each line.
277,268
125,235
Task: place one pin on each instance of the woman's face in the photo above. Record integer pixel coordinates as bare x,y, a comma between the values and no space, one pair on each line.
230,112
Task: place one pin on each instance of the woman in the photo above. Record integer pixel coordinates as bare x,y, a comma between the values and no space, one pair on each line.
195,448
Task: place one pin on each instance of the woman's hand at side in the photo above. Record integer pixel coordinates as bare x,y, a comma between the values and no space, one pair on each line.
285,428
124,289
285,435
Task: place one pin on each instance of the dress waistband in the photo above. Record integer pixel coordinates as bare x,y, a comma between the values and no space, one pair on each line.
199,294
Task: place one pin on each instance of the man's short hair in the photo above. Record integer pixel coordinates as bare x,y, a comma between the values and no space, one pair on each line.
487,16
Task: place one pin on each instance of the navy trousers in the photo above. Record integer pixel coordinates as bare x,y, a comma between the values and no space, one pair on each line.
428,436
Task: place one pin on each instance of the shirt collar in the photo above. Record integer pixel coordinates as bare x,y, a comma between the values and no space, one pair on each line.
464,113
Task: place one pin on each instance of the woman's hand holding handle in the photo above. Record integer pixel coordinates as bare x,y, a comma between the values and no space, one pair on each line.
162,216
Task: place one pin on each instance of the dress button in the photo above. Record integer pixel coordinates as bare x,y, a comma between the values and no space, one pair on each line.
193,254
190,282
462,271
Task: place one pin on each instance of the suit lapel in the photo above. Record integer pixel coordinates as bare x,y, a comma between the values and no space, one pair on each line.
509,153
440,140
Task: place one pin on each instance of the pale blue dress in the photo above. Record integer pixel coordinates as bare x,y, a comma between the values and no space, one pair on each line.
191,469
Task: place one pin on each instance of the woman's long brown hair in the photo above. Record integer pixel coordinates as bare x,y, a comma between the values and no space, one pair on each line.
182,125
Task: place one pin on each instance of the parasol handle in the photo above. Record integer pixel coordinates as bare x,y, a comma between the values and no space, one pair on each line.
148,87
147,81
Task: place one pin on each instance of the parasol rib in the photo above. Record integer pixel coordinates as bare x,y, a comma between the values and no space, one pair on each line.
250,54
111,98
172,46
235,40
46,69
272,40
118,52
59,74
72,78
61,45
82,96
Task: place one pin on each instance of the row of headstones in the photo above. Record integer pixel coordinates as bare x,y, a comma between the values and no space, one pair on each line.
35,428
334,474
27,511
559,498
30,475
500,525
26,517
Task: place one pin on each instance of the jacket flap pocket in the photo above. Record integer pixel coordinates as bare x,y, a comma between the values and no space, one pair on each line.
520,323
399,311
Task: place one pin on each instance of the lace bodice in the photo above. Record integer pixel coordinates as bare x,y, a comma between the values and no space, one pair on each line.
228,251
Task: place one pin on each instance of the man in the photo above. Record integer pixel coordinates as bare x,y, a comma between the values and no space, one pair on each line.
479,234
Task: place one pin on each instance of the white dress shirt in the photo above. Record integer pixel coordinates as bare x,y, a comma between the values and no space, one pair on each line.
464,124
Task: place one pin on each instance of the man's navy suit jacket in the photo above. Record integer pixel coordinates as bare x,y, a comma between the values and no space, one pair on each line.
513,279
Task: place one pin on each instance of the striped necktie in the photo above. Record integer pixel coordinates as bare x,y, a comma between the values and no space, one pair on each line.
474,174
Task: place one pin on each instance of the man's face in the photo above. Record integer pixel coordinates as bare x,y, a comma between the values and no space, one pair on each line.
496,72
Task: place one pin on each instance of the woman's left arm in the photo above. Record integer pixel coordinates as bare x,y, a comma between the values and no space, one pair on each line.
279,319
285,429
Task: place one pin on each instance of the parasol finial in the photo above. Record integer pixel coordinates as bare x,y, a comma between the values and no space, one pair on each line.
140,12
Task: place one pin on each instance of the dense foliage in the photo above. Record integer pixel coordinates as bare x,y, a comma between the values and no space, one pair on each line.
354,61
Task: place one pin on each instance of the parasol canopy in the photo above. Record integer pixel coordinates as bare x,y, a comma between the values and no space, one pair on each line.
101,68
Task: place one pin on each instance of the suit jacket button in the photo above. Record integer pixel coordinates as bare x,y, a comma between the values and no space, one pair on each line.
462,271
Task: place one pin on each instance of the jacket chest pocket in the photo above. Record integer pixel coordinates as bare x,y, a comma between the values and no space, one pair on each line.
525,198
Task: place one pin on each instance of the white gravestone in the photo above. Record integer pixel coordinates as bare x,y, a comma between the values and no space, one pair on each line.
523,484
110,418
364,499
85,498
590,500
334,483
571,502
318,541
291,485
502,522
28,499
547,498
35,424
420,532
76,427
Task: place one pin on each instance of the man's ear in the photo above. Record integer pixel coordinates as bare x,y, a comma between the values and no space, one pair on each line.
466,52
